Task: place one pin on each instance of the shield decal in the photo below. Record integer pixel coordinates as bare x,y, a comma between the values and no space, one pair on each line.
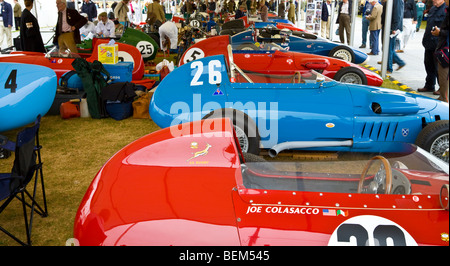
405,132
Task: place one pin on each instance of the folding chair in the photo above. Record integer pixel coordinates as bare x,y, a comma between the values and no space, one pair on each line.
27,169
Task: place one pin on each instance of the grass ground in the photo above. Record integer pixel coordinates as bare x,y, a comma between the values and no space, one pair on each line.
73,151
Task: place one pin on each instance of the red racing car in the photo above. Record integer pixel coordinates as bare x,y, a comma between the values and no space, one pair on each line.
278,66
191,185
62,65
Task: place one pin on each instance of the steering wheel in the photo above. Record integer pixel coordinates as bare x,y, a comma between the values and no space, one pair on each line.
384,175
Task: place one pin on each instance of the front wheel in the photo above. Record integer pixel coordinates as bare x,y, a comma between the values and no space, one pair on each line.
434,139
351,75
246,130
343,52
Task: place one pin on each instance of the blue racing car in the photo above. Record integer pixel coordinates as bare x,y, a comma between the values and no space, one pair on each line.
312,112
28,91
296,41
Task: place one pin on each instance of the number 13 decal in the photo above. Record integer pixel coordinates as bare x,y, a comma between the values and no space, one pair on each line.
214,75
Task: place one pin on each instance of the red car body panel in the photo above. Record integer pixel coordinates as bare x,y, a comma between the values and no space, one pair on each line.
62,65
159,191
283,64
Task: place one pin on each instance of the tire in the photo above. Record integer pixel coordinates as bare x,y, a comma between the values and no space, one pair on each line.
245,128
248,46
351,75
343,52
434,139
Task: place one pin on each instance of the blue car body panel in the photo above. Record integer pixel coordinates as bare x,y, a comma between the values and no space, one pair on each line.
319,46
28,91
312,111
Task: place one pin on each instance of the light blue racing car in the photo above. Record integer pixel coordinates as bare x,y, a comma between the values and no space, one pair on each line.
28,91
313,112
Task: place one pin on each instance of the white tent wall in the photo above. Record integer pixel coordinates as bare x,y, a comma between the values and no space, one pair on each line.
44,10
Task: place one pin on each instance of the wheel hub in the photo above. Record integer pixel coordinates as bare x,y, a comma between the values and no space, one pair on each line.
440,148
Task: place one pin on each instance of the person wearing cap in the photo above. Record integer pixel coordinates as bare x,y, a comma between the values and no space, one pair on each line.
105,27
30,34
87,29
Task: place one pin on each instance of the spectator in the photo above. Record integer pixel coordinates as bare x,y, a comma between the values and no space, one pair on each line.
155,12
375,26
443,41
111,13
396,27
249,4
30,34
264,10
168,30
241,11
137,11
271,5
344,19
254,6
231,6
67,33
189,8
326,18
281,9
367,9
6,22
436,16
420,8
119,28
90,9
409,24
70,4
17,13
121,12
291,11
105,27
211,8
88,30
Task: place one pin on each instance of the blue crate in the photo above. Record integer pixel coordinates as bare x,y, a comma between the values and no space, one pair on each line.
120,72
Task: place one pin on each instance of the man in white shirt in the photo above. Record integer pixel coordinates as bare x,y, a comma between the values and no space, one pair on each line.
105,27
169,30
88,30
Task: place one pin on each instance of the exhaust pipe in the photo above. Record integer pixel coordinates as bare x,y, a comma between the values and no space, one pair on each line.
273,152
